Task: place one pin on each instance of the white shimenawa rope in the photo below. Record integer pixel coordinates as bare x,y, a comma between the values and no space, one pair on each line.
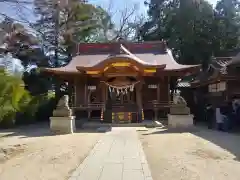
120,89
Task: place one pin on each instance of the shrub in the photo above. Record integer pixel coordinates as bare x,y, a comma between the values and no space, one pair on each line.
46,107
39,109
17,106
13,98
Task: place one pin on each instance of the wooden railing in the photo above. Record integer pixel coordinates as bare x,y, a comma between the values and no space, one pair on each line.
92,106
157,105
100,106
128,107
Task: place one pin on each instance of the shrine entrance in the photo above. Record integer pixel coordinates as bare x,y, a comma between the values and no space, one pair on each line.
119,81
121,90
122,99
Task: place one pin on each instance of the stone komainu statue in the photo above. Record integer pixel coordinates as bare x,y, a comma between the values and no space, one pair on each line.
63,109
63,102
179,100
179,106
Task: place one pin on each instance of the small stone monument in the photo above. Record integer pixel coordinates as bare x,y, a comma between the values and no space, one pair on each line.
62,121
179,113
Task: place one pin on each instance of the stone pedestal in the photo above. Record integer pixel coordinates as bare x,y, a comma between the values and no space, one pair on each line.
183,121
63,125
179,110
62,121
180,114
62,112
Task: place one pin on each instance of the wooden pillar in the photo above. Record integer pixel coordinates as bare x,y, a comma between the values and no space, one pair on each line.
103,99
79,85
85,93
139,99
71,94
155,113
128,97
75,92
139,96
106,93
158,92
227,91
168,89
103,92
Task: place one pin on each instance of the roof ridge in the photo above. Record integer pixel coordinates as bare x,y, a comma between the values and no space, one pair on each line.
122,47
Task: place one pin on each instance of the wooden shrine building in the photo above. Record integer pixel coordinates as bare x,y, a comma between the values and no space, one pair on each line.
121,81
220,82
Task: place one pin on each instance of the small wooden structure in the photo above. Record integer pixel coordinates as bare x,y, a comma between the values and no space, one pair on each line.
220,82
121,81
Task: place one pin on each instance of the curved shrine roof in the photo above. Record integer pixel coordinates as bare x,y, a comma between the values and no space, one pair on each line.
235,61
217,68
147,54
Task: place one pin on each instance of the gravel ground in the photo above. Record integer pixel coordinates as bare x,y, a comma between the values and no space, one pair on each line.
33,154
201,154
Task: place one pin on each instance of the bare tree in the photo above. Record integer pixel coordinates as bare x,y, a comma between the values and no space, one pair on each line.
127,20
16,1
20,7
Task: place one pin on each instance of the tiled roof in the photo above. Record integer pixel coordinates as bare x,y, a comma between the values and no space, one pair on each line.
183,84
218,67
207,75
185,81
154,54
221,63
235,61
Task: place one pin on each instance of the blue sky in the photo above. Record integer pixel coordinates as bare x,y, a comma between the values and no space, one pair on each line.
118,5
121,4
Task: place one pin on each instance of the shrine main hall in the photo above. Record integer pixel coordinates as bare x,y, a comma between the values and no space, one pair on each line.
121,81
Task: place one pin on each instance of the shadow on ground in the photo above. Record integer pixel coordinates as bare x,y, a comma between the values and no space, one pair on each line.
43,130
165,130
35,130
227,141
94,130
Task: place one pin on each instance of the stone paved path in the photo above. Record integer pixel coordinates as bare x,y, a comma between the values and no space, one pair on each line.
118,155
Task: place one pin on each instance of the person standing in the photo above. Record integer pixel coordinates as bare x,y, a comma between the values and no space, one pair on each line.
219,119
209,116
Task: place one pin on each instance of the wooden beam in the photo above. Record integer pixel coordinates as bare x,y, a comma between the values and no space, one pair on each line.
120,74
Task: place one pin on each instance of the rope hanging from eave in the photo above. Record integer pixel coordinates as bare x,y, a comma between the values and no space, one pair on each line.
121,89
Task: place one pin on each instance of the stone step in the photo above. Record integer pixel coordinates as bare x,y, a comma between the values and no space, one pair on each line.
148,124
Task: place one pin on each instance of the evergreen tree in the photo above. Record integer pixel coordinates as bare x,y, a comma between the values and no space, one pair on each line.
16,40
227,17
60,26
193,29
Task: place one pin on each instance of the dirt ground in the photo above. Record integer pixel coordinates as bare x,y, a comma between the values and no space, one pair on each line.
200,154
32,153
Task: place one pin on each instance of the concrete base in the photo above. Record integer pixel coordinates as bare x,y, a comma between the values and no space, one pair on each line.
179,110
62,125
184,121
